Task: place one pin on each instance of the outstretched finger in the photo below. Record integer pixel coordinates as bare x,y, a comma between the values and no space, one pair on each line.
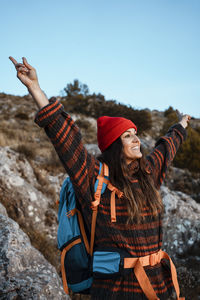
26,63
13,60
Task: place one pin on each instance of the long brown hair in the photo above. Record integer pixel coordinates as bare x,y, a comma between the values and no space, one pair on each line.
119,176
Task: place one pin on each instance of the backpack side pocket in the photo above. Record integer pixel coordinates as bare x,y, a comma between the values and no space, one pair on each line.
75,269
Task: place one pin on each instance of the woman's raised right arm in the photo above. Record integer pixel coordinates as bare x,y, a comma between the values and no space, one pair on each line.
63,133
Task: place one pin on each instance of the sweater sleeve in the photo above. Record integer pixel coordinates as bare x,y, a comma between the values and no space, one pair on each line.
164,152
67,141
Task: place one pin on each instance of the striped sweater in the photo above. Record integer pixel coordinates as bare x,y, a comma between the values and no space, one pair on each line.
137,239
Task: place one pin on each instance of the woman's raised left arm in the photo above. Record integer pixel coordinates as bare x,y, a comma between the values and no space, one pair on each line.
165,150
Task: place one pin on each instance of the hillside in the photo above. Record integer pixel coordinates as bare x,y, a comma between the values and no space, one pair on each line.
30,179
18,130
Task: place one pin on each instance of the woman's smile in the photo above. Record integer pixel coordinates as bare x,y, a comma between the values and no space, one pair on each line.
135,148
131,145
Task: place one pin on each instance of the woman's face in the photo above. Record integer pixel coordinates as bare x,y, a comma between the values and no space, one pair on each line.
131,145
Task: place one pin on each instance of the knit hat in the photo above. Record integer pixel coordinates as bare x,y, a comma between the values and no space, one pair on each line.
110,128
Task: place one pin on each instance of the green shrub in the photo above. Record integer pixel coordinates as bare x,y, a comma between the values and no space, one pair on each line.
188,155
94,105
168,111
172,118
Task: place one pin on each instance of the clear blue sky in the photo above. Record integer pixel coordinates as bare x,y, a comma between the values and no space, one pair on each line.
145,53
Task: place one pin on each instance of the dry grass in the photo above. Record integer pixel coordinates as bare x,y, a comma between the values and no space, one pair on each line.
43,183
52,163
22,116
3,140
41,242
18,130
26,149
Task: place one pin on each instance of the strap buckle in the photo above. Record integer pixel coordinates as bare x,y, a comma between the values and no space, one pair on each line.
71,213
154,258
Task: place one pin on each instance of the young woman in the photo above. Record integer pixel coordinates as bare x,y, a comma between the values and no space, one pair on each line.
136,226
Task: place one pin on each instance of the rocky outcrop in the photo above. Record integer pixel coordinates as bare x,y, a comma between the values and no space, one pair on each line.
184,181
24,272
93,149
181,224
181,240
17,178
25,201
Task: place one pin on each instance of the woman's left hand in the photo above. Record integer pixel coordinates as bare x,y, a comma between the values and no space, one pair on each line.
185,120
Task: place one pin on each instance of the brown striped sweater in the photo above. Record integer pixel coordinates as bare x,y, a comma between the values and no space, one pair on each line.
137,239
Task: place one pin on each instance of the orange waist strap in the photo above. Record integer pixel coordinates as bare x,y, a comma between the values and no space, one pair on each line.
138,264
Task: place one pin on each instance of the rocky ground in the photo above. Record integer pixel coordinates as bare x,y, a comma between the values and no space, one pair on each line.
30,179
24,272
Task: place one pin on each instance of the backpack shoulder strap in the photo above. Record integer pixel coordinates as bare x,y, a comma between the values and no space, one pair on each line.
101,182
103,171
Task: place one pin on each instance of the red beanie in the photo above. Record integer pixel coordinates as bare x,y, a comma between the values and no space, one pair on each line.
110,128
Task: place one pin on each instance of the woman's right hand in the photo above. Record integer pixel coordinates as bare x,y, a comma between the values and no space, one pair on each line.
28,76
26,73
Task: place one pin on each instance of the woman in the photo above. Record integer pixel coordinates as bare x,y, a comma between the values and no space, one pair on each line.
137,224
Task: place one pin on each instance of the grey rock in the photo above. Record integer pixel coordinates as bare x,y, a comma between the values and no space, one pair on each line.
3,210
181,224
24,272
93,149
147,142
184,181
21,196
181,239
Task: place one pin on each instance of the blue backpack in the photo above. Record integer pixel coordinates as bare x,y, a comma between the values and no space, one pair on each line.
79,265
